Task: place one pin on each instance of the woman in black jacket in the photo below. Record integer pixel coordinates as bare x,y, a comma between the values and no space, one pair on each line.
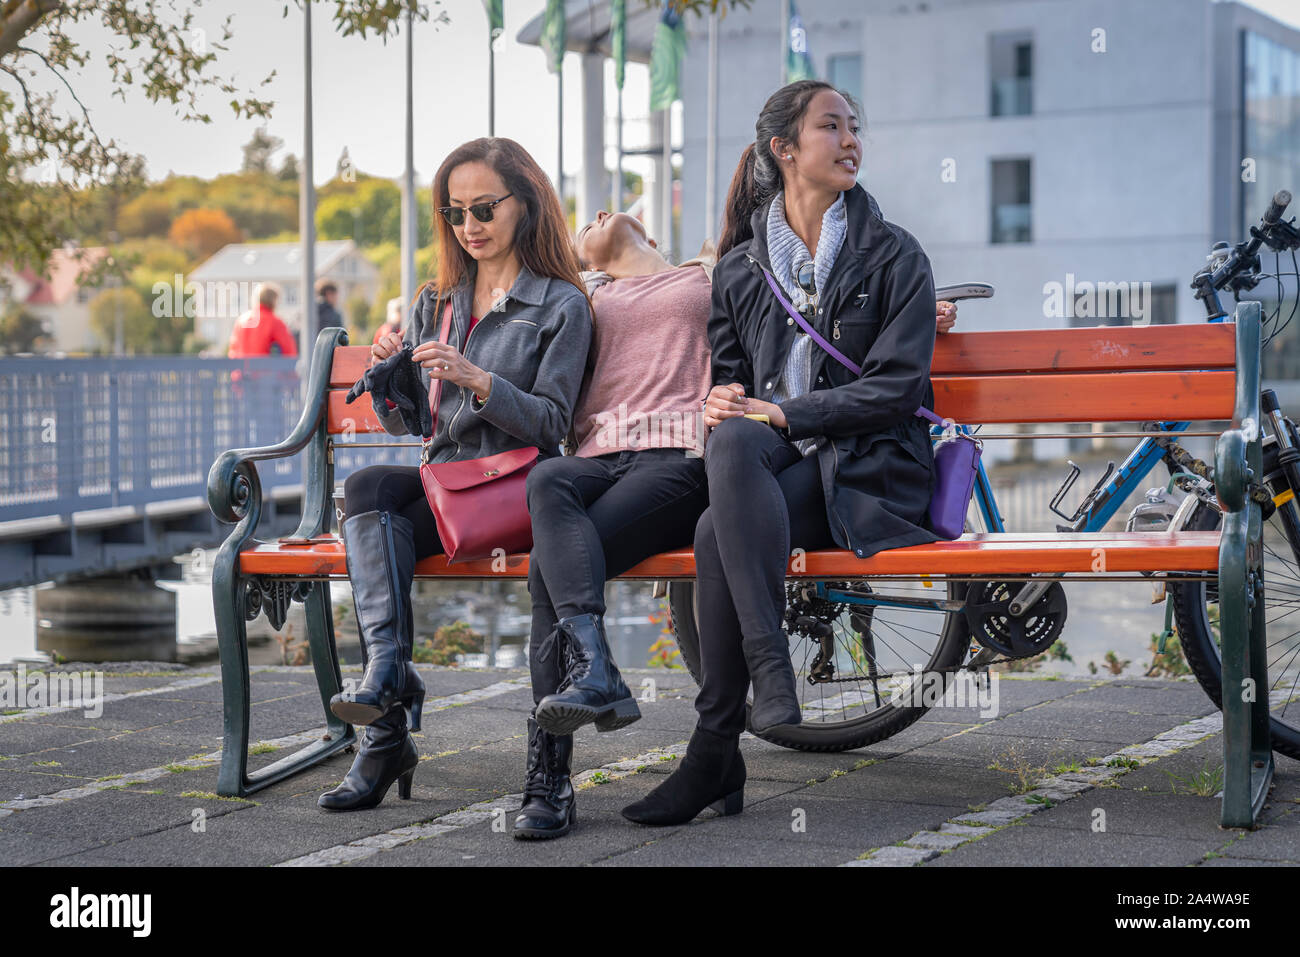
842,459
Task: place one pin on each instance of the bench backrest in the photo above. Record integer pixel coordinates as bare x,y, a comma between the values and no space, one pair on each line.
1171,372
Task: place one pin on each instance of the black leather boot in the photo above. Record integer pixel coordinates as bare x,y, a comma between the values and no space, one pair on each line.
593,690
771,676
387,754
548,809
712,775
381,567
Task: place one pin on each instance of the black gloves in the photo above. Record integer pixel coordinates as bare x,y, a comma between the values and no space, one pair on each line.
398,378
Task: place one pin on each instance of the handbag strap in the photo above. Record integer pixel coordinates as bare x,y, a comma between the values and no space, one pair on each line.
435,397
818,338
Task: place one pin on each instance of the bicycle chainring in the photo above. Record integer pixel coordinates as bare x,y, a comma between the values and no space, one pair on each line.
992,624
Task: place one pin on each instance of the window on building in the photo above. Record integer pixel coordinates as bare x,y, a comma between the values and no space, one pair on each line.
844,71
1012,213
1124,304
1270,109
1011,73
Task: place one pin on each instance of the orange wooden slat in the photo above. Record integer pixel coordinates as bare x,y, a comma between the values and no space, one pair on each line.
1087,397
1008,553
359,417
1206,345
350,364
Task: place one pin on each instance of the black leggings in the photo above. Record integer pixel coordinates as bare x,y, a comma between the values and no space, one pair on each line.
593,519
765,499
396,489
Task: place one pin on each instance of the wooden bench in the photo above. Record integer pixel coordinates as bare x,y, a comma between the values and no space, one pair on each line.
1107,374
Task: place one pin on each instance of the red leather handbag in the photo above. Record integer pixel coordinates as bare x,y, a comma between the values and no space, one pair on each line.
480,504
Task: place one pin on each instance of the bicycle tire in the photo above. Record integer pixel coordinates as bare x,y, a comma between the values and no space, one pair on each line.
1201,646
883,722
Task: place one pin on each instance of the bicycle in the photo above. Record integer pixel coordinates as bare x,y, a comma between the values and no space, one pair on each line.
849,635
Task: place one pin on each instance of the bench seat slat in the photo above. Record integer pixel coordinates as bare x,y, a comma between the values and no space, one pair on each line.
973,554
1210,345
1087,397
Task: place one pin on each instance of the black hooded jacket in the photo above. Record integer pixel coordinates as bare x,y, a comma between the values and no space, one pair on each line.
877,466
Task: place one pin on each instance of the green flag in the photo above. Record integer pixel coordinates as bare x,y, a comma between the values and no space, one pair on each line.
618,38
553,38
798,62
495,22
666,57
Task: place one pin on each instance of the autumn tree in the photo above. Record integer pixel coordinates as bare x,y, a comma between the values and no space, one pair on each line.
201,232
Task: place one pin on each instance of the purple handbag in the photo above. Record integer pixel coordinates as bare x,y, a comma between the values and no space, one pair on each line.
956,454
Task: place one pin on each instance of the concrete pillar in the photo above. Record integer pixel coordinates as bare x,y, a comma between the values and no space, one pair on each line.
593,188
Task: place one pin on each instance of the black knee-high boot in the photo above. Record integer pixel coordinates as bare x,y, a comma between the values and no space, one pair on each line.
387,754
381,566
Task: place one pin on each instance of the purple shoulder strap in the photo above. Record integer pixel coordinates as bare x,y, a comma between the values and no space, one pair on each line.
821,341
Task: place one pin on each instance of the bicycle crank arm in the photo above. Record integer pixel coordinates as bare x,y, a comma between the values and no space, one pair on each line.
1029,595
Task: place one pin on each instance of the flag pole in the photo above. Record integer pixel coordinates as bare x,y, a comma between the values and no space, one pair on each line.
785,39
617,205
492,87
559,139
711,135
306,215
409,219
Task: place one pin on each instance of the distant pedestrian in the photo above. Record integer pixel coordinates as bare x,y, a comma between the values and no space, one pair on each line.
392,320
327,302
260,332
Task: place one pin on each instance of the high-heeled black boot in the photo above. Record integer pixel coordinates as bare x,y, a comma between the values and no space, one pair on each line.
387,754
771,676
592,690
712,775
381,567
548,809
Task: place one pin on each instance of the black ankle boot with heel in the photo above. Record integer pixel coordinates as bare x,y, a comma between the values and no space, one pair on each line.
771,676
387,754
712,775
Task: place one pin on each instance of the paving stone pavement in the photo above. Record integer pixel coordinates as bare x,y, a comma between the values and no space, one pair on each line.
1076,771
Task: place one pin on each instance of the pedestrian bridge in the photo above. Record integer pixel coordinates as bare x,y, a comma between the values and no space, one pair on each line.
104,461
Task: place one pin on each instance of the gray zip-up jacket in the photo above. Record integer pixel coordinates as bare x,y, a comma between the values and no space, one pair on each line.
533,343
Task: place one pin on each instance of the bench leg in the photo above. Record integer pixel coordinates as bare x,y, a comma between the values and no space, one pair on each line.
230,596
1247,744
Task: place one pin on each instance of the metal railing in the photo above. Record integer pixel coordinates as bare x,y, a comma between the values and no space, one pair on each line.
81,434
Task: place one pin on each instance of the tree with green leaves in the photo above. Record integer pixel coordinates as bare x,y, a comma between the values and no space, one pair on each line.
51,147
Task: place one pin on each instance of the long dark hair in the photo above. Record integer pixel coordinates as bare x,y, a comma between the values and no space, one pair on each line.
758,177
541,237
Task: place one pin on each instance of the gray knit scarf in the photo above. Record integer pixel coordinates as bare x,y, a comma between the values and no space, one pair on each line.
787,252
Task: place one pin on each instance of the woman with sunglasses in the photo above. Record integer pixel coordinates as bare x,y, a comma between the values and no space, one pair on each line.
510,372
835,459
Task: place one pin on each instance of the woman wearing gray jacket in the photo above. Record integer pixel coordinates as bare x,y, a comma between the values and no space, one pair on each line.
511,370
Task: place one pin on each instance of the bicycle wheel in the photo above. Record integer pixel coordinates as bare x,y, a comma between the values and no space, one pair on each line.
1196,611
858,667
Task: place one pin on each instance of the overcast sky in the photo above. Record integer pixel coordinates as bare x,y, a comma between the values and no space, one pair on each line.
358,87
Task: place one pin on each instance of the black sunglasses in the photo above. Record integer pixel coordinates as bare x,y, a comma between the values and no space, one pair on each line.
455,215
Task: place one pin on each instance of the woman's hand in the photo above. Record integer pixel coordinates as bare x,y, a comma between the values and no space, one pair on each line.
775,417
725,402
445,362
385,347
945,314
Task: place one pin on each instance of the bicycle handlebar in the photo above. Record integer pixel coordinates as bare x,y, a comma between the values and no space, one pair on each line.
1281,200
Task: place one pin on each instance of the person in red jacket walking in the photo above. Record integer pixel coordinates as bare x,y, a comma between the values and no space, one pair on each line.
260,331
